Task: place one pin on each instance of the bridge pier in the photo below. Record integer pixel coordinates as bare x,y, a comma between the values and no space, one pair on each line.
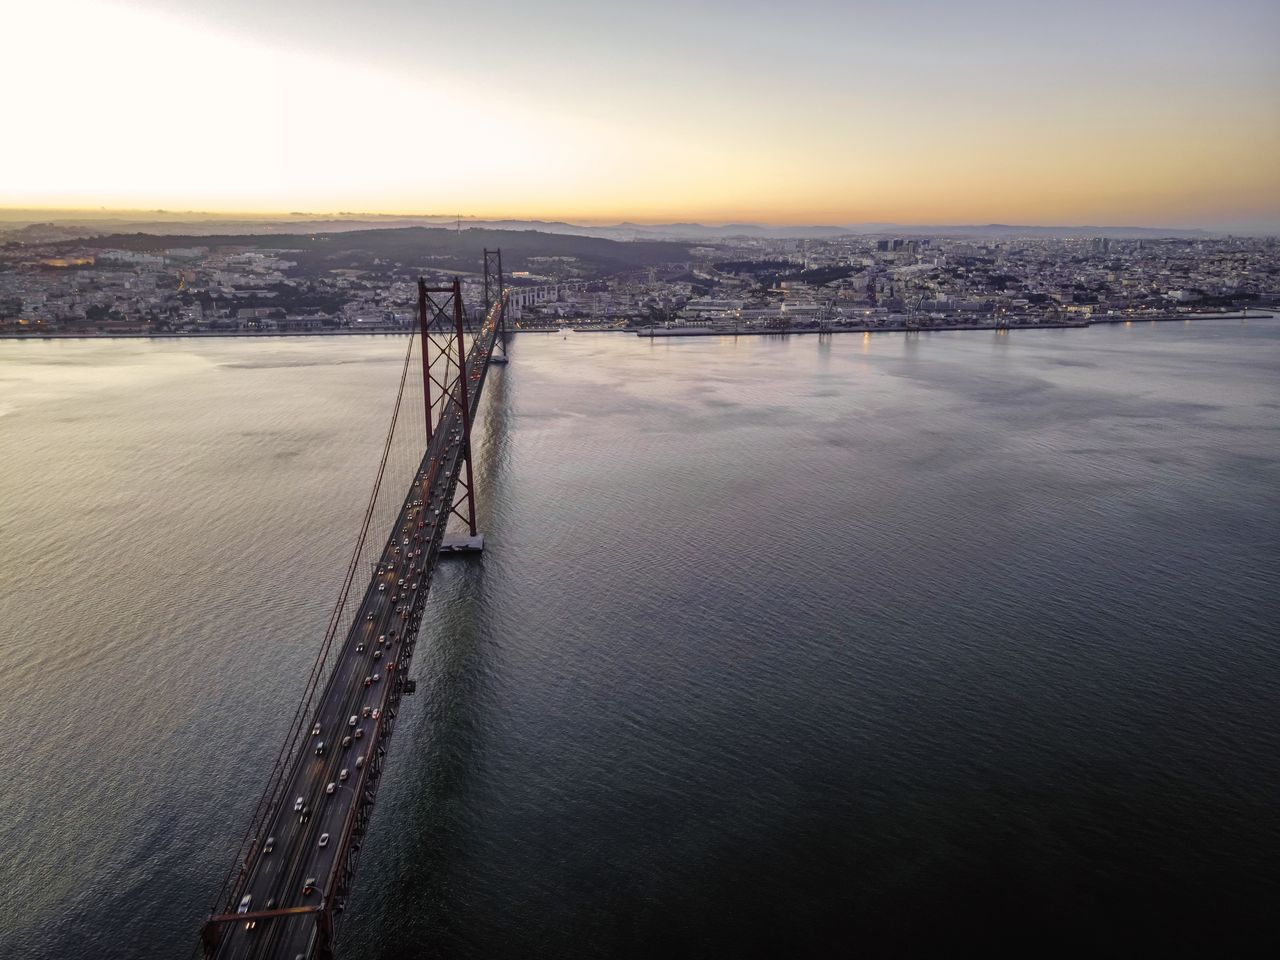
460,543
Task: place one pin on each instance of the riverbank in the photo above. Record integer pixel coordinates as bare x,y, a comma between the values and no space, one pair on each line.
652,332
204,335
661,332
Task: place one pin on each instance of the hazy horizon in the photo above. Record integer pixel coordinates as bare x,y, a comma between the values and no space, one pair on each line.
822,113
73,214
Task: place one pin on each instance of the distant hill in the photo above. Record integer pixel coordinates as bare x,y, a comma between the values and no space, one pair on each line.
45,227
35,226
433,247
699,232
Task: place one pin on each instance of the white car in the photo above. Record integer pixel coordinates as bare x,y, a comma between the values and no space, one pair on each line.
298,805
324,839
342,774
331,787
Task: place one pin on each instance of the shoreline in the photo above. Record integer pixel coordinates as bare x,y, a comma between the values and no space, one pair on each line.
649,333
662,333
207,335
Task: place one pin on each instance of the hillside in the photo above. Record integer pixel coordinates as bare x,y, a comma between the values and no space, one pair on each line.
424,247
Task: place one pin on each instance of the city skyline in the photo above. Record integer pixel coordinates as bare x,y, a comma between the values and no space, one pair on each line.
820,114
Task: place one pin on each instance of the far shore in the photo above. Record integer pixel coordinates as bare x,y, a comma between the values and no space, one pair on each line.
646,332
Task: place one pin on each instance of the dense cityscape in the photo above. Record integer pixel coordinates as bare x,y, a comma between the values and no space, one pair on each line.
136,285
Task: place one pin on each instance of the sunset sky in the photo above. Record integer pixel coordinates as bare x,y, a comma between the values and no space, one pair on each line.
1116,112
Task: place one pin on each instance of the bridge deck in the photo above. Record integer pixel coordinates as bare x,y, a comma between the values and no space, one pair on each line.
379,645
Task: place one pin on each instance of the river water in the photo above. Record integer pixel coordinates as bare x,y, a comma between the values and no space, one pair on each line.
888,645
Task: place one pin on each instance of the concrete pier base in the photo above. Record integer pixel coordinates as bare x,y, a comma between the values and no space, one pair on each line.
456,544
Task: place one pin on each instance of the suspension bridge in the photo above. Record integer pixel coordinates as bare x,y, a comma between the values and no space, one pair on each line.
286,892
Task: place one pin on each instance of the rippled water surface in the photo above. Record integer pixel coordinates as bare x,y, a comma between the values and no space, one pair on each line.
906,644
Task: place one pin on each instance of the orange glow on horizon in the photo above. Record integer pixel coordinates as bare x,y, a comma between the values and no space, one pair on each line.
1053,149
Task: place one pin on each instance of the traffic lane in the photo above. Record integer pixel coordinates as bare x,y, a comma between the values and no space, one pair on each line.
274,869
303,861
272,882
298,858
289,884
335,815
336,716
333,818
250,943
308,778
283,861
338,721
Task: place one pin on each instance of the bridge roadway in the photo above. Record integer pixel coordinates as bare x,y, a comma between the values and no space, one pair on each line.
289,884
